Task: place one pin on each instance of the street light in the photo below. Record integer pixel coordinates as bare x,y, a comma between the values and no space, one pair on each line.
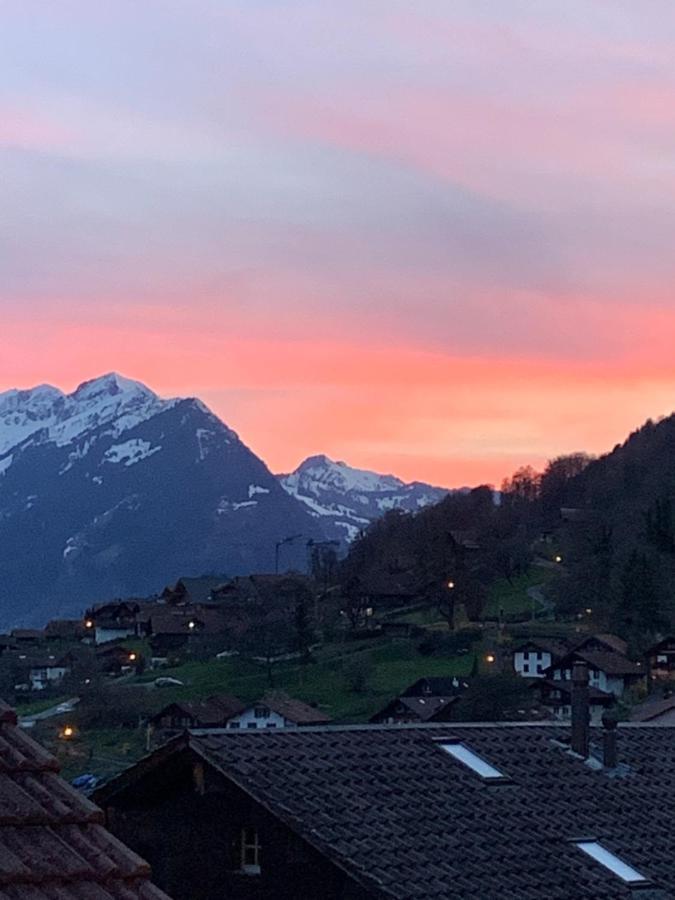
279,545
490,658
451,585
558,558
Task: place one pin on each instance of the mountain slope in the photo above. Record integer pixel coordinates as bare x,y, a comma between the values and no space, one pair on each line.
346,500
112,491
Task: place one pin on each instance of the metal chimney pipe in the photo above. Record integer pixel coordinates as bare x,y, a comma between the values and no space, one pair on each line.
609,741
580,712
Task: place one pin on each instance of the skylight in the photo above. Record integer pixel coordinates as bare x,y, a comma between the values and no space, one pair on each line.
476,763
609,861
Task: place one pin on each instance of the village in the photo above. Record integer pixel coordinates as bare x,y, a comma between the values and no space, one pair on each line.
250,739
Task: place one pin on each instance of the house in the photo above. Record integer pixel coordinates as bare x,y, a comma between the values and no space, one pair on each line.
278,711
661,660
607,643
609,671
52,840
27,636
65,630
214,712
114,659
42,672
437,686
415,709
449,812
112,621
173,629
556,696
534,656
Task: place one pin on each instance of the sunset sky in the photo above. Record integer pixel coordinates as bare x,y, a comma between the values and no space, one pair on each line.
432,238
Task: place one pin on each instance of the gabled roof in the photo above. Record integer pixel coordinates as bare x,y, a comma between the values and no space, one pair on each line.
611,642
406,820
565,688
439,686
52,841
604,660
423,708
652,709
668,643
294,710
213,711
554,646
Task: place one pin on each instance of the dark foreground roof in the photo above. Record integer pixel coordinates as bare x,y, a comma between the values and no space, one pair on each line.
406,820
52,843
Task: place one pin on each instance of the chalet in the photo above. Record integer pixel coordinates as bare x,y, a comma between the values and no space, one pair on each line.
278,711
112,621
52,840
609,671
452,812
415,709
266,589
115,659
42,672
437,686
174,629
214,712
65,630
534,656
556,696
661,660
27,636
605,643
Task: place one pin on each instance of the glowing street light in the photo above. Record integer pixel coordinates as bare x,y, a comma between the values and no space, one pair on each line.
191,625
132,657
558,558
451,585
67,732
490,658
588,610
89,623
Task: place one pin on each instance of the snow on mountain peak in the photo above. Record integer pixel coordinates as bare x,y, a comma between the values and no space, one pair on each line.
47,414
351,498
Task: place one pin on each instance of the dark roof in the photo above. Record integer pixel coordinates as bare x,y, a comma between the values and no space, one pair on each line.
27,634
668,643
65,628
213,711
294,710
423,708
604,660
610,641
555,646
439,686
652,709
176,621
406,820
52,842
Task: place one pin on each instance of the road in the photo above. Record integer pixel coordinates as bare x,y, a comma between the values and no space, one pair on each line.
60,709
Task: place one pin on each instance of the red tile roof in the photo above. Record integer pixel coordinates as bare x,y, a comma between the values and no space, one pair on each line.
53,845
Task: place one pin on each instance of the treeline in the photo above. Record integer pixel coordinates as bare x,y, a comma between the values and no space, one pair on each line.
610,520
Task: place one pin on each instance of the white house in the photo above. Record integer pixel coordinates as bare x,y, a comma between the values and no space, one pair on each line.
532,658
47,672
278,712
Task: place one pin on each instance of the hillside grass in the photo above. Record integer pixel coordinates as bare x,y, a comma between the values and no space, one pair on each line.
512,598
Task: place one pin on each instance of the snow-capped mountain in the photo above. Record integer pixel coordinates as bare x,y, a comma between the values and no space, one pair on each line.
346,500
113,491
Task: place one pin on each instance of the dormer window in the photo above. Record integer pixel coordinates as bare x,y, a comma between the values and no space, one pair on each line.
616,866
250,851
261,712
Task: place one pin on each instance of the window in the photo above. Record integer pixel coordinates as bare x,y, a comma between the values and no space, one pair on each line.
526,667
261,712
615,865
250,851
234,725
271,725
526,655
474,762
252,725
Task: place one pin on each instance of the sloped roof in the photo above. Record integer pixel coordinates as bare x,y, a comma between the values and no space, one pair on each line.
212,711
610,641
52,842
408,821
424,708
604,660
295,710
439,685
554,646
652,709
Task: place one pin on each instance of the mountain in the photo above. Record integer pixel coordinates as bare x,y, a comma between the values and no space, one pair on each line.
346,500
113,491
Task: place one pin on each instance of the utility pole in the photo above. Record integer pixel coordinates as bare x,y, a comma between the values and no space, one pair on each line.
279,545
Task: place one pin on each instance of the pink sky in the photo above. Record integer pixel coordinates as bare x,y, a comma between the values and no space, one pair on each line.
429,239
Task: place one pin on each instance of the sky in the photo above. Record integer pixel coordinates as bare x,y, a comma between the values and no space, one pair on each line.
433,239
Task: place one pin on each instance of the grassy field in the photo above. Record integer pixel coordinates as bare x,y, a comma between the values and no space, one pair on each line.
511,597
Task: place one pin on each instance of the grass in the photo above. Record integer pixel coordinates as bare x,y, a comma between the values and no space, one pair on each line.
38,706
512,597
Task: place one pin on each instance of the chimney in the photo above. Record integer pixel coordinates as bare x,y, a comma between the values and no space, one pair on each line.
580,714
609,735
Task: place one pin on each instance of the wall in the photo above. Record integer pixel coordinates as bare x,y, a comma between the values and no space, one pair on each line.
536,661
188,826
248,719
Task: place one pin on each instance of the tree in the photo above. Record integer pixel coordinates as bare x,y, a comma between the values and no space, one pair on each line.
358,672
639,612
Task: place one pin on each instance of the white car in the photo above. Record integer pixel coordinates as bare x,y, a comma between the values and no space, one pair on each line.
165,681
